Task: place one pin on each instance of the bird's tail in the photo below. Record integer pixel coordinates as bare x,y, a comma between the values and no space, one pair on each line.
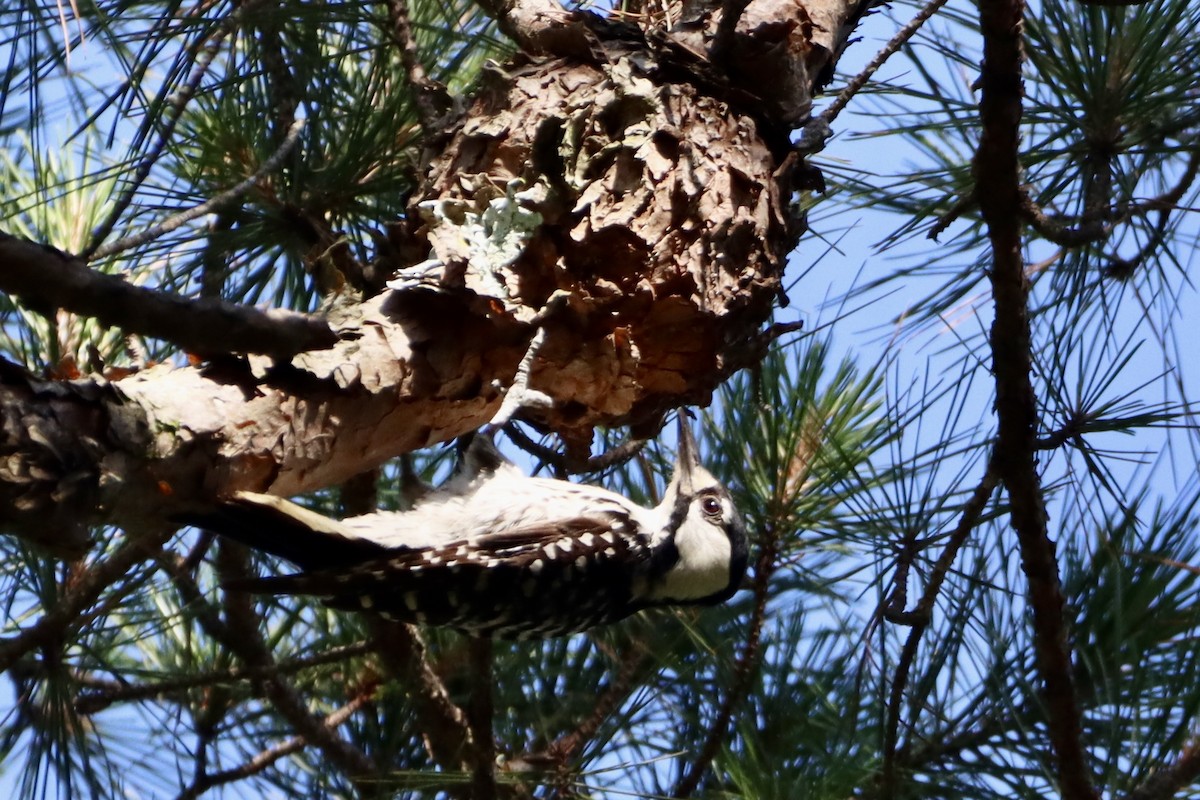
274,525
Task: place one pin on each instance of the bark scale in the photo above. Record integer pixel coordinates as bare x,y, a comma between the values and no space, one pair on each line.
630,196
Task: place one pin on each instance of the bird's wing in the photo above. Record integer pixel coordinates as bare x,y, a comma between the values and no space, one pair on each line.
517,550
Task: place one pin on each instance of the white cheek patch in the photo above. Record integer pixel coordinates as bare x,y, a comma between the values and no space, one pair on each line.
704,561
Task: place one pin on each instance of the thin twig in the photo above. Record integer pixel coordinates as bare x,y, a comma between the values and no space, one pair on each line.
895,43
944,221
105,693
240,637
266,758
78,596
565,465
909,549
207,51
997,167
215,204
921,617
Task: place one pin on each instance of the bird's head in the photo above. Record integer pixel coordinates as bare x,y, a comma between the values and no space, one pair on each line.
705,530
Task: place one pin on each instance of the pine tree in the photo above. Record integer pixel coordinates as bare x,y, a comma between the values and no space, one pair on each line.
297,247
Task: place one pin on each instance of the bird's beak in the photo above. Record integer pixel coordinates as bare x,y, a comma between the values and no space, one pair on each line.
688,457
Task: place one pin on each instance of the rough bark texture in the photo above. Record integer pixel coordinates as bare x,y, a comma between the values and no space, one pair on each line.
653,208
130,452
626,193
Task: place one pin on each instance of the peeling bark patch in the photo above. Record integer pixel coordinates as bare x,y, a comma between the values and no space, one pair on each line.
660,218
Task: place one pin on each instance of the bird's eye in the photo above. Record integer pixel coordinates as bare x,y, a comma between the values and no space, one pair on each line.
711,506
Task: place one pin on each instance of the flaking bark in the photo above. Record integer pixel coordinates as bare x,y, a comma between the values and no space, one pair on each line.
633,200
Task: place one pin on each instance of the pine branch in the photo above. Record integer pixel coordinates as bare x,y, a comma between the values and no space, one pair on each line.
444,727
480,711
47,278
1166,783
209,780
104,693
539,25
426,92
201,55
79,596
743,671
244,640
997,173
920,619
218,203
568,746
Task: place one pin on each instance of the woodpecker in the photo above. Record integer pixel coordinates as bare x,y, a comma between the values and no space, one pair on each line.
494,552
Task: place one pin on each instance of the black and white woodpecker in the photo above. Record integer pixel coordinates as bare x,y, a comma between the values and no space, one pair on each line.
494,552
